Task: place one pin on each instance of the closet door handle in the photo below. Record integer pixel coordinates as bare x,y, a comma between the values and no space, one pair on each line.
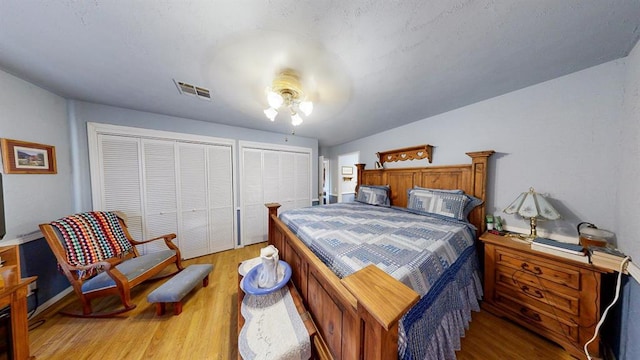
536,270
536,293
530,315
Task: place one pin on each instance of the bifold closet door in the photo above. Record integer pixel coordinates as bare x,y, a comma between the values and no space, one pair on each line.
271,176
206,199
167,186
253,212
221,207
121,180
194,195
161,210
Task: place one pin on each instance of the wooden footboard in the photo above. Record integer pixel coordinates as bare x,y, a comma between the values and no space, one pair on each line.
356,317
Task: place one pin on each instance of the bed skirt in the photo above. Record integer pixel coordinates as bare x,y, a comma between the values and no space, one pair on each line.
433,327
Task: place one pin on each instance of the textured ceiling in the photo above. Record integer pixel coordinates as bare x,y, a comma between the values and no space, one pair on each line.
368,65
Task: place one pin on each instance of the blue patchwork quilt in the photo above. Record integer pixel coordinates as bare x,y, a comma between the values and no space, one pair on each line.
413,248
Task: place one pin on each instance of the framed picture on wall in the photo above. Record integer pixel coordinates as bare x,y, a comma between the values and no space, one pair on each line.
347,170
21,157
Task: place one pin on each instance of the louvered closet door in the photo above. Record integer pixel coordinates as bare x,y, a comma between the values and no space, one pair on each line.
287,183
194,231
221,211
121,180
271,176
253,212
302,184
161,211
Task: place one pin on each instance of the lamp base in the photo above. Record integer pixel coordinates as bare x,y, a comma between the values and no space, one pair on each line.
527,238
522,237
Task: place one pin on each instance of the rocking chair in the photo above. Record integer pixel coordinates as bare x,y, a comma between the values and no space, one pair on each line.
99,258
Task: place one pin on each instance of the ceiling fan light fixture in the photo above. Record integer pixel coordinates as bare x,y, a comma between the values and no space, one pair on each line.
274,99
271,113
296,119
286,90
306,107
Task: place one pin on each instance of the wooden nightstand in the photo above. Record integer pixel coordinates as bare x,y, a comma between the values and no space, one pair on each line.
555,297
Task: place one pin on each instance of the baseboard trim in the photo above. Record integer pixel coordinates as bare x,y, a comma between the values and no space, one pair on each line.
47,304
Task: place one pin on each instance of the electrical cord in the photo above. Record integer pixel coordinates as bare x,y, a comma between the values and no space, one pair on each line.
39,322
604,314
35,294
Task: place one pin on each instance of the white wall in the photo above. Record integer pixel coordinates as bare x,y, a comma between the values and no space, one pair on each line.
83,112
628,211
560,136
30,113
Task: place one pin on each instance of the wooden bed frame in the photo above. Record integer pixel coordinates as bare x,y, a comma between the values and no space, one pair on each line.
357,316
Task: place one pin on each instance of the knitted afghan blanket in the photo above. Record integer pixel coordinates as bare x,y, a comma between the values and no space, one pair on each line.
92,236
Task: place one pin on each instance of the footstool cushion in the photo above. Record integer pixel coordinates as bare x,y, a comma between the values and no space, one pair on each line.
178,286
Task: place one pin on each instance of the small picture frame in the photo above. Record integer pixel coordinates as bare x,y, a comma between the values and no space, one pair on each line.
347,170
22,157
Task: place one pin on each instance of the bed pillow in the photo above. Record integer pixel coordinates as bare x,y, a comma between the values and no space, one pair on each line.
472,202
438,202
374,195
455,191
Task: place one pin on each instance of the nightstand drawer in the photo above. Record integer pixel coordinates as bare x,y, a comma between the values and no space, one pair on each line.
510,276
566,276
548,321
549,301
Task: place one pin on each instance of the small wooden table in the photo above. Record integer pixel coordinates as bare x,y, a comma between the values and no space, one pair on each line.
13,293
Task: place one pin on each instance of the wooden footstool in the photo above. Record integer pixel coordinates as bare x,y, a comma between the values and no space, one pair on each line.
178,286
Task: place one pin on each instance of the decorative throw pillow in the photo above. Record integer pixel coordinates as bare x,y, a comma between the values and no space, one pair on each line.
374,195
438,202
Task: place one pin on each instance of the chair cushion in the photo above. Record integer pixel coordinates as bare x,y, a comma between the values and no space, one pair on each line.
131,268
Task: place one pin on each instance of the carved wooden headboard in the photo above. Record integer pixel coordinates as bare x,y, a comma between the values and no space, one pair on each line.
472,178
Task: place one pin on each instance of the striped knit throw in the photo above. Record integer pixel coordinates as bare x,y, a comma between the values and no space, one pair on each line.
92,236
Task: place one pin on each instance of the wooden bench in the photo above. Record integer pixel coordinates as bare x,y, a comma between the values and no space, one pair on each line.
319,349
178,286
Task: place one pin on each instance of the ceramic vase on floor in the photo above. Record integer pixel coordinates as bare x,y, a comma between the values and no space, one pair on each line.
269,274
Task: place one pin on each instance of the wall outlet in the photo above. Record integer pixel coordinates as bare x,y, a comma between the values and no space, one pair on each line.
31,288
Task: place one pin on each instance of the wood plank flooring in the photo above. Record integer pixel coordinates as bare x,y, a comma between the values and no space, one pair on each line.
206,329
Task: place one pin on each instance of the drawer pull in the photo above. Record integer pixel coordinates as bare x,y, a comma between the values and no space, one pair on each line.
533,316
536,270
536,293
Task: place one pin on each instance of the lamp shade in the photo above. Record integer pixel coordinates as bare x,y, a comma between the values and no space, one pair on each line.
296,119
306,107
532,205
274,99
271,113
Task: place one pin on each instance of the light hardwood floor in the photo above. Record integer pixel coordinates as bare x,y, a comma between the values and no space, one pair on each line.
206,329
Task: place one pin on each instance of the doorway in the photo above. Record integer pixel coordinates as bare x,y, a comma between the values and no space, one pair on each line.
347,176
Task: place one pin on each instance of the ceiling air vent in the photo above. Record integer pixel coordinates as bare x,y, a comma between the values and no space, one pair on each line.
192,90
